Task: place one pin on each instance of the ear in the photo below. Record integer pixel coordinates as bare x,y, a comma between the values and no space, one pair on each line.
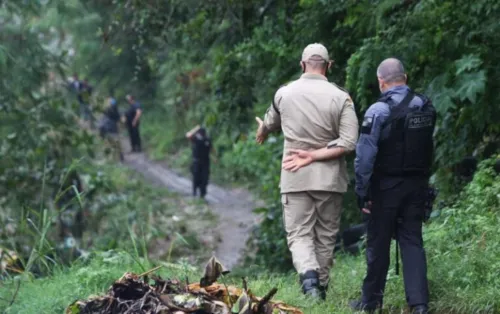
330,63
303,65
406,78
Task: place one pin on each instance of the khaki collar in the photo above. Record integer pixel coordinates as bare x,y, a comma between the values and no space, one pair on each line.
313,76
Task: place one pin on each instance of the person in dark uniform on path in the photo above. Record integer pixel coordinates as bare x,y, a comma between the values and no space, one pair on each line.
200,168
393,161
132,120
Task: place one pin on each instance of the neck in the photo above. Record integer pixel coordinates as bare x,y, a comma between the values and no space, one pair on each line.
317,72
392,85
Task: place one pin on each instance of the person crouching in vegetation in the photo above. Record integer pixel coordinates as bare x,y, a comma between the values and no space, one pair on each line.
313,113
200,167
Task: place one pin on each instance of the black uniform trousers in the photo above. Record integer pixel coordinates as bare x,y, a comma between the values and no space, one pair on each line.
397,209
135,137
201,172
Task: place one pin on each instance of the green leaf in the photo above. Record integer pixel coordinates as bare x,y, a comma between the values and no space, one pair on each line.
467,63
469,86
260,210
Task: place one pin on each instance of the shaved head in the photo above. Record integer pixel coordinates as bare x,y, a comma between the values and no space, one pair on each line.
317,63
391,71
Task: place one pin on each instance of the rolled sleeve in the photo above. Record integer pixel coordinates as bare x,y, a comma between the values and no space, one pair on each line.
348,128
272,119
367,147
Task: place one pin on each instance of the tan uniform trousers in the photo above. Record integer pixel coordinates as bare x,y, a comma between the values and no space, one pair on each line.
312,220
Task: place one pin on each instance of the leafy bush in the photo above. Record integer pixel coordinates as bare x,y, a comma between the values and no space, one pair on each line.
463,246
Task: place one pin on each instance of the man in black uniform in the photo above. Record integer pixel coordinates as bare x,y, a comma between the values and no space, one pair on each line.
200,168
132,120
393,160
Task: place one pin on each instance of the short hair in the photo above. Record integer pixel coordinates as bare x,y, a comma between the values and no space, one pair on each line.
391,70
317,62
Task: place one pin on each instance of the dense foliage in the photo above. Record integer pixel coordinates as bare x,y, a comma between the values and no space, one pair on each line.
219,63
463,246
41,142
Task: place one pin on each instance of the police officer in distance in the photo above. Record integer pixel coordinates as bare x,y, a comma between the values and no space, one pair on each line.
393,160
313,113
200,167
132,120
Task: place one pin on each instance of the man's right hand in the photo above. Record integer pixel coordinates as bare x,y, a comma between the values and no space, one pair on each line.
261,134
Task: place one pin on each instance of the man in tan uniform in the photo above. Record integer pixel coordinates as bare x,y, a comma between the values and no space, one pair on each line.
313,114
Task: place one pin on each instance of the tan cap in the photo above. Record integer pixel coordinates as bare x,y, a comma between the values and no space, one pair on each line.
315,50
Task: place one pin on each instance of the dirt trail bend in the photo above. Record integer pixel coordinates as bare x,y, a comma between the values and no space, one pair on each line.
233,207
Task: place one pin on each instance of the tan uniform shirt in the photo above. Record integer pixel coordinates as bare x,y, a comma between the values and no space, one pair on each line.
314,113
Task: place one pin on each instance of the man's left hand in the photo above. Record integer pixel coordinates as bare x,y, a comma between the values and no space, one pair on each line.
299,159
364,204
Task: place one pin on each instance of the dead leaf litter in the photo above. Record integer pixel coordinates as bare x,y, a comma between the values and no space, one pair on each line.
134,294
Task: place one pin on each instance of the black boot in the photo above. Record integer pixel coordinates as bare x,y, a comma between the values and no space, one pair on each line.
310,284
420,309
322,291
360,306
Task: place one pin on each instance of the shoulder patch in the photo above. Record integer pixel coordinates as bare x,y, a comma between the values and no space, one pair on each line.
366,126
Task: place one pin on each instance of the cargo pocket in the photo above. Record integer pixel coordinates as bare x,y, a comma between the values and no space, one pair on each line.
284,201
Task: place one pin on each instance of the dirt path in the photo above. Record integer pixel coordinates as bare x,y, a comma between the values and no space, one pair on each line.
233,207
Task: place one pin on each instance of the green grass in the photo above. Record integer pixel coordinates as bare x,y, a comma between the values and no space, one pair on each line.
53,294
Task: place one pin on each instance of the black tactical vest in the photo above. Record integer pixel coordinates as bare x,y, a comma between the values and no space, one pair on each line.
408,150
